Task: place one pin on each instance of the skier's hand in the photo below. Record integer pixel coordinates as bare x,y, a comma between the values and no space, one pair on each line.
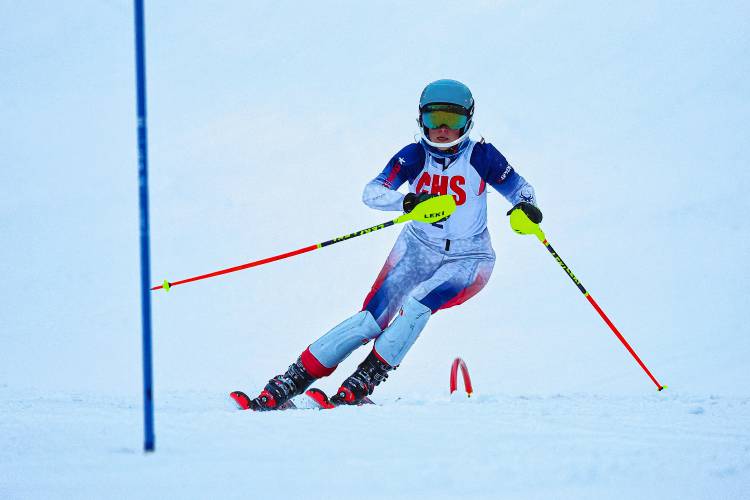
411,200
531,211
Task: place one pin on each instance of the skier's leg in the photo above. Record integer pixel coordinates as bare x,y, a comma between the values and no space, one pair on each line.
392,345
282,388
410,262
457,280
454,283
318,360
390,348
465,271
323,355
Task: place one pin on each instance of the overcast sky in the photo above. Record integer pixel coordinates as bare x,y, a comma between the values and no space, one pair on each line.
266,120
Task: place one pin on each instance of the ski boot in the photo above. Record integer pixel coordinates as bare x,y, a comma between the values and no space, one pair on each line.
280,389
360,384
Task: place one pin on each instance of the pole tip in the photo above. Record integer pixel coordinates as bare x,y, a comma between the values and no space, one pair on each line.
167,285
662,387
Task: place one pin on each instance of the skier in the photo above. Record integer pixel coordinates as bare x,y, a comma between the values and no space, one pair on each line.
431,266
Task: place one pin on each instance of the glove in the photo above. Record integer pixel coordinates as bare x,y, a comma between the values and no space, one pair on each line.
411,200
531,211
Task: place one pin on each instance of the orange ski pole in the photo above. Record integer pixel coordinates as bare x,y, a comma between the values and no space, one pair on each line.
429,211
521,224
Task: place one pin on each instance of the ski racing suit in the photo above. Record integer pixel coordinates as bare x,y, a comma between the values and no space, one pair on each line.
431,266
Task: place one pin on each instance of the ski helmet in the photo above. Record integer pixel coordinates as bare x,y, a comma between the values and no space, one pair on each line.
449,103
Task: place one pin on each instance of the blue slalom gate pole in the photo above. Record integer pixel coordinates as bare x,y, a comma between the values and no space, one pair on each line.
148,392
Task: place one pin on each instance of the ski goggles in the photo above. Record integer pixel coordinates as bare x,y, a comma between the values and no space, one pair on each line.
452,116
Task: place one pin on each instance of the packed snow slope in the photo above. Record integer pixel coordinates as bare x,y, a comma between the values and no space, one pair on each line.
265,122
81,445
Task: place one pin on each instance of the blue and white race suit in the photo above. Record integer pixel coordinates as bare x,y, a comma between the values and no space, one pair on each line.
431,266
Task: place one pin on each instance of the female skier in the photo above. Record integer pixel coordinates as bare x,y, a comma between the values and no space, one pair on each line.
431,266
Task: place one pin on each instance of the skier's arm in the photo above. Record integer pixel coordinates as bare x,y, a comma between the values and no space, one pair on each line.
379,197
516,189
381,193
498,173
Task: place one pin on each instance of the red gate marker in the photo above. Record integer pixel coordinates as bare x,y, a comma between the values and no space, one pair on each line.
459,363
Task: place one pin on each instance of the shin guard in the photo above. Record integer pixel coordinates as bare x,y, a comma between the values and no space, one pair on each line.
334,347
397,339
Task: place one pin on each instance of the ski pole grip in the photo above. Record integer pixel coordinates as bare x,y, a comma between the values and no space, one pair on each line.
432,210
521,224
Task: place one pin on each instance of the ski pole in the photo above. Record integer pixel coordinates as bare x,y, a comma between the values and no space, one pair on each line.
521,224
429,211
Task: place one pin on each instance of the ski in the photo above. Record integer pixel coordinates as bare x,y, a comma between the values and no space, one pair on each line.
244,402
319,398
325,403
312,399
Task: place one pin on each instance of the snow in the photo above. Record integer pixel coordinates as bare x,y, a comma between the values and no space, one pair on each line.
265,121
84,445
